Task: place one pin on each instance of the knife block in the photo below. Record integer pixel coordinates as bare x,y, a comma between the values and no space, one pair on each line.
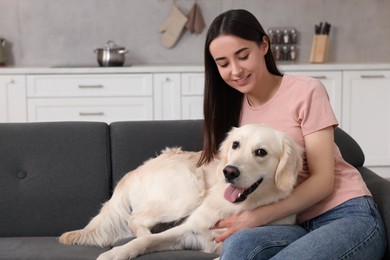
319,48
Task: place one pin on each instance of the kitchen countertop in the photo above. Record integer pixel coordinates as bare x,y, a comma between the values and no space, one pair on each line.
175,68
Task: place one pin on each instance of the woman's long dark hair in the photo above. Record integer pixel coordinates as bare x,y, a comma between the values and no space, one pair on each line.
222,103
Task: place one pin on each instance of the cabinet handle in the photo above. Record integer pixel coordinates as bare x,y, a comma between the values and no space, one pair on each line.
378,76
91,114
90,86
319,77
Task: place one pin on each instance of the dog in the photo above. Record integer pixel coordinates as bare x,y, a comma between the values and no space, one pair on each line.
256,165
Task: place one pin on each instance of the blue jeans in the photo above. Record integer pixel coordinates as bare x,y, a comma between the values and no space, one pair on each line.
352,230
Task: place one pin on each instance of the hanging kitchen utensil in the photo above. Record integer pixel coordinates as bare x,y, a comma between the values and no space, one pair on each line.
195,22
2,52
172,28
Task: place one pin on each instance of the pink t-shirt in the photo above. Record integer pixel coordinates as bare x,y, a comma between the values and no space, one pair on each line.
300,107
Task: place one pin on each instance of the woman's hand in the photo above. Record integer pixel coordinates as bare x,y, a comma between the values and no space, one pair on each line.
239,221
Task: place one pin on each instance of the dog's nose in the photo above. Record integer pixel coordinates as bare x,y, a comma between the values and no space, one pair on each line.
231,172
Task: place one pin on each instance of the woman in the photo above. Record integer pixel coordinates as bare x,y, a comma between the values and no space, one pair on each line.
337,218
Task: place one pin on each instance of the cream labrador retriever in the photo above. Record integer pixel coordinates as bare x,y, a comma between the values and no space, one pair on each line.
256,165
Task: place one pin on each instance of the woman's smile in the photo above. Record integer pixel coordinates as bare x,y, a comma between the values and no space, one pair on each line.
243,80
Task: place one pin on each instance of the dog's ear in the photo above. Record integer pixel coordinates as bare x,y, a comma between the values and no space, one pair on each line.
222,155
289,165
225,146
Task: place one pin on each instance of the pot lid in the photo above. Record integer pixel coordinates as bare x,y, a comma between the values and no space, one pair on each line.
112,45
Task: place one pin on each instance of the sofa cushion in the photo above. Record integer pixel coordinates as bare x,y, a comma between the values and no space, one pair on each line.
53,176
134,142
42,248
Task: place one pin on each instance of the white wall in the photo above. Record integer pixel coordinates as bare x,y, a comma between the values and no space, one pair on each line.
57,32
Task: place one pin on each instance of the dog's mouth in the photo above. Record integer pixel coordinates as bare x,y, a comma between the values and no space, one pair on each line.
235,195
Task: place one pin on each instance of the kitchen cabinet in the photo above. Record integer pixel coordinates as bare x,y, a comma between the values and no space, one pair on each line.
192,95
366,113
332,81
89,97
13,98
114,97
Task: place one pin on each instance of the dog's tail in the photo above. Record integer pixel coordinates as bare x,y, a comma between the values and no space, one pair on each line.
105,228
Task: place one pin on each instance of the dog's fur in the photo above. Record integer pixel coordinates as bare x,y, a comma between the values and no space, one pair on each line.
171,187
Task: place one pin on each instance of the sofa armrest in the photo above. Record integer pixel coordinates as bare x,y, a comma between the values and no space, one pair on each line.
349,148
380,189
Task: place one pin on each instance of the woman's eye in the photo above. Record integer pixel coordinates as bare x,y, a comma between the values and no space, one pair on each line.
244,57
235,145
261,152
224,65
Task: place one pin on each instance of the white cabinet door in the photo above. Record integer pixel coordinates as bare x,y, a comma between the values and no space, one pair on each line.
90,109
192,95
192,107
167,103
13,98
366,113
332,81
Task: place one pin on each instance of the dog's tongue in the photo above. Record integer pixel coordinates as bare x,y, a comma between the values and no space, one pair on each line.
231,193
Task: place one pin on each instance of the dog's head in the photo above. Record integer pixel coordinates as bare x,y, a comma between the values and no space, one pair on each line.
258,159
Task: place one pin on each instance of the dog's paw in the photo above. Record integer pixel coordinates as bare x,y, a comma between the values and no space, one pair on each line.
81,237
116,253
109,255
69,238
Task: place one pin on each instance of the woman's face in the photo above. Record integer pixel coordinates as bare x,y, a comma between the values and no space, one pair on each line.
240,62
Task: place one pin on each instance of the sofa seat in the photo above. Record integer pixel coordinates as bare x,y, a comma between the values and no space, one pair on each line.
28,248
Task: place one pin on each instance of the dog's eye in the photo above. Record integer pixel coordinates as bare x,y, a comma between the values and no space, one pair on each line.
261,152
235,145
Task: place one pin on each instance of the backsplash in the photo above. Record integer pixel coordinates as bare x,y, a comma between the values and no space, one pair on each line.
65,32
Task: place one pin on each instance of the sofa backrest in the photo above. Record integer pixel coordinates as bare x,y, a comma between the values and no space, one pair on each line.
148,138
134,142
53,176
349,148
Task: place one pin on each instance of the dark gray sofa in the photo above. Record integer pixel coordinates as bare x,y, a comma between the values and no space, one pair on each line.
54,177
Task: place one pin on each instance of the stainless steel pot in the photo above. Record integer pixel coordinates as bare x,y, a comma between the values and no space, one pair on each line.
111,55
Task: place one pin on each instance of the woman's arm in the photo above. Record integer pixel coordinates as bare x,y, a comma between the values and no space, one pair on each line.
319,147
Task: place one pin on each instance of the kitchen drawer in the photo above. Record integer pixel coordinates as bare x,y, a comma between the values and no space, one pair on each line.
90,109
89,85
192,84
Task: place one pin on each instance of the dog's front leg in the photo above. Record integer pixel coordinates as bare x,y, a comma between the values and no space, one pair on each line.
139,246
180,237
130,250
